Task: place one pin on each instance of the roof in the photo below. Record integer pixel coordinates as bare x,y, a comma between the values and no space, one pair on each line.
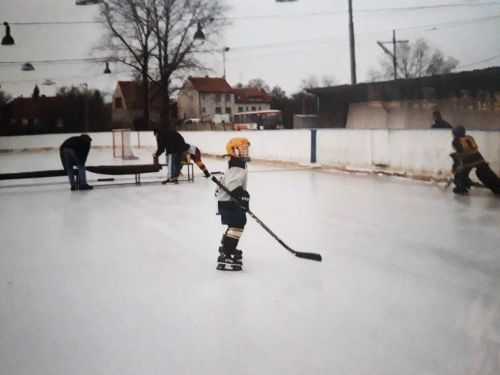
439,86
34,107
133,94
211,85
251,95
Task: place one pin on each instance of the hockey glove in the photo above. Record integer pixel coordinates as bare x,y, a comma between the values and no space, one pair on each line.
244,202
242,197
207,174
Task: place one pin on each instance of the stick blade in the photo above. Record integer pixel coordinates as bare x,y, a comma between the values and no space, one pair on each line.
310,256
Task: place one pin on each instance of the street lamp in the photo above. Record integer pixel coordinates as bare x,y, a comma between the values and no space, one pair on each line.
27,67
106,69
7,40
198,35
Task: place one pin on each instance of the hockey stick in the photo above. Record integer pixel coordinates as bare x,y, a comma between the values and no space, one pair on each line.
299,254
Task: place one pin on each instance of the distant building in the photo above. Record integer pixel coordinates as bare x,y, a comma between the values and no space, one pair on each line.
251,99
207,99
469,98
33,115
128,105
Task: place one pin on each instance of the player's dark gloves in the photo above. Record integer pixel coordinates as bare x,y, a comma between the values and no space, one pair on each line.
242,197
244,202
207,174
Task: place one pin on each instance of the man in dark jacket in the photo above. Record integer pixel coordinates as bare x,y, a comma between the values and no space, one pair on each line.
74,152
174,146
439,123
466,158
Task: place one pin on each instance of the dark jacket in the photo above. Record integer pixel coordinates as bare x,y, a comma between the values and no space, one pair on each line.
79,144
171,142
441,124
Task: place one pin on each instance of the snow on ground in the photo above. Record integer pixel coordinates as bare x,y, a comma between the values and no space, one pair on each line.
122,279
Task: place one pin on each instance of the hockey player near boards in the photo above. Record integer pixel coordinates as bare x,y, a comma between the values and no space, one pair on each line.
467,157
232,207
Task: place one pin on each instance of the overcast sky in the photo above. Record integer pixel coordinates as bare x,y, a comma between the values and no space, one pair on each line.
282,43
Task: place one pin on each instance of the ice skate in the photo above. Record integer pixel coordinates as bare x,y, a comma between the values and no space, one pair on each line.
460,191
237,254
170,181
228,263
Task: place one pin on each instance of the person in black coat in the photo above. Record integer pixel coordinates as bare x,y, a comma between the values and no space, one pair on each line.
74,152
174,146
439,122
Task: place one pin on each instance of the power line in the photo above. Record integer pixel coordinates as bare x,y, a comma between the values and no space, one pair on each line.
322,13
427,26
62,61
374,10
278,44
478,62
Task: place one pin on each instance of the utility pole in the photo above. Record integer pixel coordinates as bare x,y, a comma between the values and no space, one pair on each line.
351,45
224,50
393,53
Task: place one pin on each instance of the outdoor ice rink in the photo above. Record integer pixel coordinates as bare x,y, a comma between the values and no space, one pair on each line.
122,279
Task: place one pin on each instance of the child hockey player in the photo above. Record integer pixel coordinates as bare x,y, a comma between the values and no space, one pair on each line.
232,207
466,158
195,154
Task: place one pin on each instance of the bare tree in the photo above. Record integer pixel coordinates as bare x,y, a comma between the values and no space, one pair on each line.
156,38
414,60
258,83
129,23
313,82
4,98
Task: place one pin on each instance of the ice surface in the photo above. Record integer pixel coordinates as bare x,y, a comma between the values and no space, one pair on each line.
122,279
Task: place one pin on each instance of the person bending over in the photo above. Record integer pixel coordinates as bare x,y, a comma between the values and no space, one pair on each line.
74,152
195,155
466,158
174,145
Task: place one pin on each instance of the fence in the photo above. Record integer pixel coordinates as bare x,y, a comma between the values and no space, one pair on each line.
411,152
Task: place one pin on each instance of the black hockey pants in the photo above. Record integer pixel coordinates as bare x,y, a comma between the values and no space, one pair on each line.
483,173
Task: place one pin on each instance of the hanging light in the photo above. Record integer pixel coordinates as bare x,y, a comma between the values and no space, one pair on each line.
107,70
27,66
7,40
198,35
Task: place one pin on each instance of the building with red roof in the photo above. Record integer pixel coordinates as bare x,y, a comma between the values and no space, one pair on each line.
206,99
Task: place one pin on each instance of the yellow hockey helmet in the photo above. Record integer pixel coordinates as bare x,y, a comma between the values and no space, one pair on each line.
238,147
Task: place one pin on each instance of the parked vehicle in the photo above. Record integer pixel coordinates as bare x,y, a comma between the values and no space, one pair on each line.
258,120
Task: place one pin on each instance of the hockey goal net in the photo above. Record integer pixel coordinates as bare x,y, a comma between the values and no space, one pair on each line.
121,144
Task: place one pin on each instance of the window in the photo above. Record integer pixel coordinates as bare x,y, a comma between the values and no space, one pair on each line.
259,108
228,110
218,110
118,103
253,108
228,98
240,109
203,109
217,98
